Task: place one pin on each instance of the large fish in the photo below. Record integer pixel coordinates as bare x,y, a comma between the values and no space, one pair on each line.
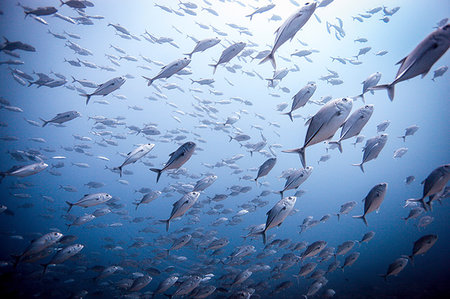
297,178
324,124
105,88
372,149
354,124
181,206
373,200
203,45
24,171
421,59
289,28
90,200
62,117
265,168
38,245
169,70
135,155
278,213
301,98
177,158
433,185
228,54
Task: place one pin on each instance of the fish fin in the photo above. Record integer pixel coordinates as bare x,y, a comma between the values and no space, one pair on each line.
271,58
137,205
402,60
411,259
88,97
150,81
300,151
363,217
389,87
361,96
338,144
360,166
231,138
384,276
120,170
45,122
16,259
250,16
338,216
45,268
271,82
281,193
403,137
158,171
214,66
288,113
70,206
167,222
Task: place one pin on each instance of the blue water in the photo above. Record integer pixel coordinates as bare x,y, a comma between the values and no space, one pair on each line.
418,101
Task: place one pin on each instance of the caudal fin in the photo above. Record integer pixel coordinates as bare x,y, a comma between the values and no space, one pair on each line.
249,16
384,276
120,170
264,236
214,66
281,193
271,58
403,137
190,55
271,82
45,122
158,171
167,222
361,96
338,144
363,217
301,152
150,80
88,97
338,216
361,165
290,115
70,206
389,87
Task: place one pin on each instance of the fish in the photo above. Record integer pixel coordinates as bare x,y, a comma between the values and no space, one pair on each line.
313,249
63,255
395,268
278,214
295,179
24,171
350,260
261,10
301,98
187,286
265,168
422,245
289,29
434,184
90,200
324,124
439,72
354,124
204,183
140,283
373,200
169,70
177,158
421,59
38,245
409,131
135,155
367,237
61,118
203,45
166,284
372,149
105,88
228,54
181,206
370,82
180,242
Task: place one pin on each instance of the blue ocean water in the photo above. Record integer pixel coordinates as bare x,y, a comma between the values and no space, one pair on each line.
37,205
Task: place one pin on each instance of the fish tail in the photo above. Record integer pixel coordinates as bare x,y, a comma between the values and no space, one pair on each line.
264,236
137,205
411,259
389,87
403,137
231,138
45,122
271,58
363,217
68,226
249,16
421,200
189,55
16,260
62,3
338,216
214,66
2,176
167,222
281,193
70,206
300,151
360,166
30,83
45,268
338,144
251,153
150,80
119,169
73,78
384,276
271,82
290,115
88,97
361,96
158,171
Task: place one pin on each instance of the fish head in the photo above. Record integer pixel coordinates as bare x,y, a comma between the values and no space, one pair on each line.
443,34
119,81
185,61
308,7
309,169
78,247
291,199
42,165
55,236
367,110
383,137
149,146
382,187
190,146
108,196
344,105
194,194
76,114
28,48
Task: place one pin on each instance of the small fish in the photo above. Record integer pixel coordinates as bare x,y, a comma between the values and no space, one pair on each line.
265,168
61,118
278,213
106,88
409,131
301,98
135,155
228,54
90,200
395,268
261,10
422,245
373,200
169,70
372,149
181,206
203,45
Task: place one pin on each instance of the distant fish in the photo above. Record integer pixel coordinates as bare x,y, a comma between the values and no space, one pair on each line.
135,155
372,149
395,268
409,131
181,206
261,10
106,88
169,70
278,213
422,245
421,59
228,54
203,45
373,200
61,118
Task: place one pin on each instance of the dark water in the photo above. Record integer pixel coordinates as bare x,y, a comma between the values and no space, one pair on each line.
194,113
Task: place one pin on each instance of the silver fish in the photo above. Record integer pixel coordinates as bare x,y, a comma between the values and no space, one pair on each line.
106,88
372,149
409,131
169,70
181,206
61,118
324,124
228,54
354,124
39,245
24,171
90,200
396,267
63,255
422,245
135,155
373,200
261,10
177,158
265,168
301,98
350,260
370,82
421,59
289,28
295,179
203,45
278,213
313,249
147,198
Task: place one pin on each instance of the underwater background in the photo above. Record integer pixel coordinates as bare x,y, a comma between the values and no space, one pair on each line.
37,205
